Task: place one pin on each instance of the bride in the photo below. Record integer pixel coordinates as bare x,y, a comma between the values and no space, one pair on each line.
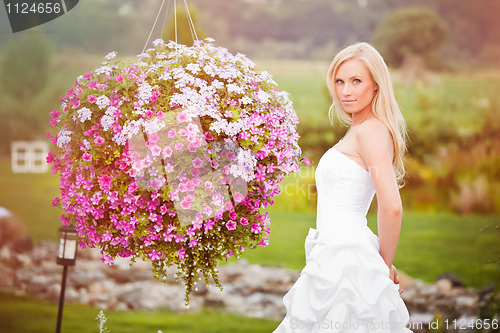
349,282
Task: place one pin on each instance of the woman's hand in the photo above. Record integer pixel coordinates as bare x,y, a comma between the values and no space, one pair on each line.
393,275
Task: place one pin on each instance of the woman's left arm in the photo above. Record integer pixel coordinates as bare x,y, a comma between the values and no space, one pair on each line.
376,149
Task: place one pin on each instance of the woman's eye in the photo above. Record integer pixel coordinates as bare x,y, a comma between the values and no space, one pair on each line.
339,82
356,81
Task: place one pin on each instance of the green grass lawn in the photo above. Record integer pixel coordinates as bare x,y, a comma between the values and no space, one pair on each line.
27,315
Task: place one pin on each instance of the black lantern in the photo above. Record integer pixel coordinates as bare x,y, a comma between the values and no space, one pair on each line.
68,239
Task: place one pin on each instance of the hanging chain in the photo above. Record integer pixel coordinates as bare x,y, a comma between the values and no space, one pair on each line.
154,24
191,23
192,29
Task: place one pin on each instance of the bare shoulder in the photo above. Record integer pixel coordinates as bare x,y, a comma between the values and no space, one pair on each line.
373,133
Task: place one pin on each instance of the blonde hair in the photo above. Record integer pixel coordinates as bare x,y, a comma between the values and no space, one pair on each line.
384,105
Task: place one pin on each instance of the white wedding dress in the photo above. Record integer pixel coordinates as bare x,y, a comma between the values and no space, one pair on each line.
345,285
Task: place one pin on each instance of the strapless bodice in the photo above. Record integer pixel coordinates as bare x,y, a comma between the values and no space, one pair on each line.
345,191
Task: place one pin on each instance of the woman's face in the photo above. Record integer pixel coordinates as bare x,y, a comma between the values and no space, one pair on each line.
354,86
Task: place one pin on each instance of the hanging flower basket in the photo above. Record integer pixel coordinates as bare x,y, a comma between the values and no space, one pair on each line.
170,158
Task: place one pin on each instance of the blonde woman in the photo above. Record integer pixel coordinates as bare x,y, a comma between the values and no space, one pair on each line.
349,283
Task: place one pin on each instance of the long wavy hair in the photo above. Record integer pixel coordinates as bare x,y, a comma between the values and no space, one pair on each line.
384,105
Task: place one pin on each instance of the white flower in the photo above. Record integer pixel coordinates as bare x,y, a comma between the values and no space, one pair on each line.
263,96
102,102
107,121
110,55
235,89
86,145
84,114
63,137
195,68
246,100
158,41
145,92
106,70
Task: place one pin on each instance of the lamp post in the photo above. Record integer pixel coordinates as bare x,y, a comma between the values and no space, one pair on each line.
66,256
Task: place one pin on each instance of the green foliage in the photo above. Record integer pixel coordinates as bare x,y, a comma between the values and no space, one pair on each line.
409,31
25,66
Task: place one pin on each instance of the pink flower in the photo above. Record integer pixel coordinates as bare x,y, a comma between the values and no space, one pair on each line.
228,205
92,84
119,78
233,215
105,182
95,199
197,162
56,202
155,96
238,197
231,225
264,242
106,236
168,237
160,115
182,117
195,172
87,157
108,260
55,114
209,225
182,253
256,228
50,157
306,161
167,152
155,255
197,223
91,99
132,187
193,242
155,150
149,114
99,140
208,136
243,221
178,145
186,202
270,168
190,232
171,133
207,210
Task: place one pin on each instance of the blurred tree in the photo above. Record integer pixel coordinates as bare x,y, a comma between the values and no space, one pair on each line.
185,33
409,32
25,65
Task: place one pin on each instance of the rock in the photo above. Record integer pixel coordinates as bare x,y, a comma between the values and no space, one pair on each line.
466,301
11,229
23,244
249,290
444,286
456,282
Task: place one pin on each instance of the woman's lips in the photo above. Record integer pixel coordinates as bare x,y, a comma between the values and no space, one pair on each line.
348,101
